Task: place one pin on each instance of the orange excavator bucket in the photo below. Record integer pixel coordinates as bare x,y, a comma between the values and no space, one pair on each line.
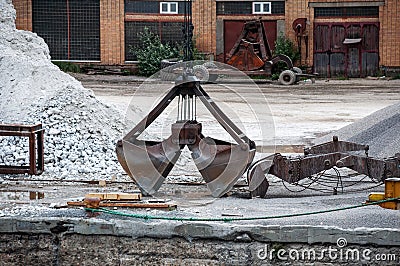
246,59
251,50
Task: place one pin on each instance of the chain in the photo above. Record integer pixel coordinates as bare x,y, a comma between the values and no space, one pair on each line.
368,165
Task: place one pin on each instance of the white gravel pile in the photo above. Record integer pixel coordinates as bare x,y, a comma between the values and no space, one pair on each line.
380,130
81,131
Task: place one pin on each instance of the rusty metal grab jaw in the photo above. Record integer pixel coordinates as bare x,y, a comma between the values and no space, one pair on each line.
220,163
148,163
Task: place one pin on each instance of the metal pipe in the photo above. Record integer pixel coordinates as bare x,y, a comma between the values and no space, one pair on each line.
192,107
179,102
195,107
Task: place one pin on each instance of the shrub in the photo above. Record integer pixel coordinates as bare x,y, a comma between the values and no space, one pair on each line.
67,67
151,52
284,46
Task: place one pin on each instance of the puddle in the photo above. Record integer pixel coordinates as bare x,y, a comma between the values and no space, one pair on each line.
21,195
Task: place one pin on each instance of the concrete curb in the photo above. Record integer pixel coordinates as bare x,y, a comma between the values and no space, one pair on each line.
201,230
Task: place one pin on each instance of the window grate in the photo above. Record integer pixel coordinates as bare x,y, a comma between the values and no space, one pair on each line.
71,28
369,11
169,32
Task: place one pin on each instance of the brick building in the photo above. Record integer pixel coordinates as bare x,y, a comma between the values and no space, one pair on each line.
336,38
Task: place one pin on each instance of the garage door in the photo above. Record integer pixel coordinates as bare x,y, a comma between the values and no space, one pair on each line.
346,49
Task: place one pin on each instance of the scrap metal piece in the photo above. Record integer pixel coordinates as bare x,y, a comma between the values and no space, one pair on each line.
35,134
378,169
258,183
317,159
335,146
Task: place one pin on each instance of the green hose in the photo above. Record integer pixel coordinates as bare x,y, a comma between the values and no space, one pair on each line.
151,217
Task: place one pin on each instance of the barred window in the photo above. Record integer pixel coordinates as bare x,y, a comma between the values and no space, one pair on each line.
169,32
71,28
365,11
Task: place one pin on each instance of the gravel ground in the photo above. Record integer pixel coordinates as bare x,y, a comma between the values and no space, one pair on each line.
195,200
379,130
81,132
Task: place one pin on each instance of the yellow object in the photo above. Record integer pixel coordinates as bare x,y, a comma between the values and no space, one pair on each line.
376,196
392,190
392,187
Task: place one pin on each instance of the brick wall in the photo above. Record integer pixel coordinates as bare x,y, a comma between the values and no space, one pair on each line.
299,9
389,38
24,14
112,41
205,22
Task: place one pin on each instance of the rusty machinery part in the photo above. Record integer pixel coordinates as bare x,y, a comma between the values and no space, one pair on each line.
252,51
299,26
35,134
220,163
317,159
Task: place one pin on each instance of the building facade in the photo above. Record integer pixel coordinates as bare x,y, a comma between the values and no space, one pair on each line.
336,38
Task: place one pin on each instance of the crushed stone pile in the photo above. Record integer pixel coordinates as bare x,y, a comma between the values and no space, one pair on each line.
80,131
380,131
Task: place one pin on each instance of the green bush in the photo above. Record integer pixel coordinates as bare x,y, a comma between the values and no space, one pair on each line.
151,52
67,67
284,46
